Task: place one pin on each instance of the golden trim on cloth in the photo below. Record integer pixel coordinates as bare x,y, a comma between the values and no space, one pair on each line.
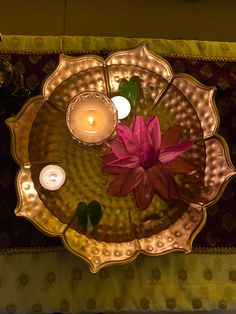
194,49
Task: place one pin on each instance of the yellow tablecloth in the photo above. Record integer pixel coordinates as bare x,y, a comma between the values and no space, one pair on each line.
60,282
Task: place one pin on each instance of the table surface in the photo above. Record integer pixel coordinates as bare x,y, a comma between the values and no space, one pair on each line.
60,282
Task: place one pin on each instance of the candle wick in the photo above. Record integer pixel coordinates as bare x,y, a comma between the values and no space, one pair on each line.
91,120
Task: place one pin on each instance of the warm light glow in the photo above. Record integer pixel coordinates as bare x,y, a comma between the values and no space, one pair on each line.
91,117
91,120
122,105
52,177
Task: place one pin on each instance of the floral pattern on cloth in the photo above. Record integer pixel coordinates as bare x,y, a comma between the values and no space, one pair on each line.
142,285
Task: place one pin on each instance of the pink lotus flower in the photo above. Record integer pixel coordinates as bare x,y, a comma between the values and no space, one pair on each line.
143,160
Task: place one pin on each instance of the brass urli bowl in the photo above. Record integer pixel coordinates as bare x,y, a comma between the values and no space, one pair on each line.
40,137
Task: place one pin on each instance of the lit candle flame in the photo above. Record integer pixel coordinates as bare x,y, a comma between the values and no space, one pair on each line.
91,120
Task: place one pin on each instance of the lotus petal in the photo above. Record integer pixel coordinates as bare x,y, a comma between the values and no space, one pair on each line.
171,152
126,136
126,182
163,182
144,193
126,162
140,131
180,165
171,135
155,132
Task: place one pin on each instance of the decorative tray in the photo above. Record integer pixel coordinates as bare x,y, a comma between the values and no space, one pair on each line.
133,178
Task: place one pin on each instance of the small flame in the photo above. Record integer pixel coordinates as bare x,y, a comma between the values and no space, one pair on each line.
91,120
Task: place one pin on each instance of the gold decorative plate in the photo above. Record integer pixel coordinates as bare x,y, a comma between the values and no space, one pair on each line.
40,137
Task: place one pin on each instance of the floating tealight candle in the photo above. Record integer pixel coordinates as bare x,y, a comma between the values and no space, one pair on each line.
52,177
122,105
91,117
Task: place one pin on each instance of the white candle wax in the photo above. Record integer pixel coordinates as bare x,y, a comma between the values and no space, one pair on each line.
122,105
52,177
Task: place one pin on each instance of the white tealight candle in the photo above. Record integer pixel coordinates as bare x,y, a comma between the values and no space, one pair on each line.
91,117
122,106
52,177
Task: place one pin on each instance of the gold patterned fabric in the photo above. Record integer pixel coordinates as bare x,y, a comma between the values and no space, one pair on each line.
59,282
52,280
209,50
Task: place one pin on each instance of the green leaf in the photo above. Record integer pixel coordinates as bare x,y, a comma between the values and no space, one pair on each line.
95,213
131,89
124,88
82,215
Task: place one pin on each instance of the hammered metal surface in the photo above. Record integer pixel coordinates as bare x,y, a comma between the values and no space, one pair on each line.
178,236
21,125
87,80
141,58
154,74
202,99
32,207
67,67
100,253
40,137
217,171
152,84
179,109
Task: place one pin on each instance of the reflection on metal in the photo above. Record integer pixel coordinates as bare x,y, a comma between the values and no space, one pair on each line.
40,137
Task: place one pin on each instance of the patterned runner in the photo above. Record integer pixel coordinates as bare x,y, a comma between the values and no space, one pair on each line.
15,232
